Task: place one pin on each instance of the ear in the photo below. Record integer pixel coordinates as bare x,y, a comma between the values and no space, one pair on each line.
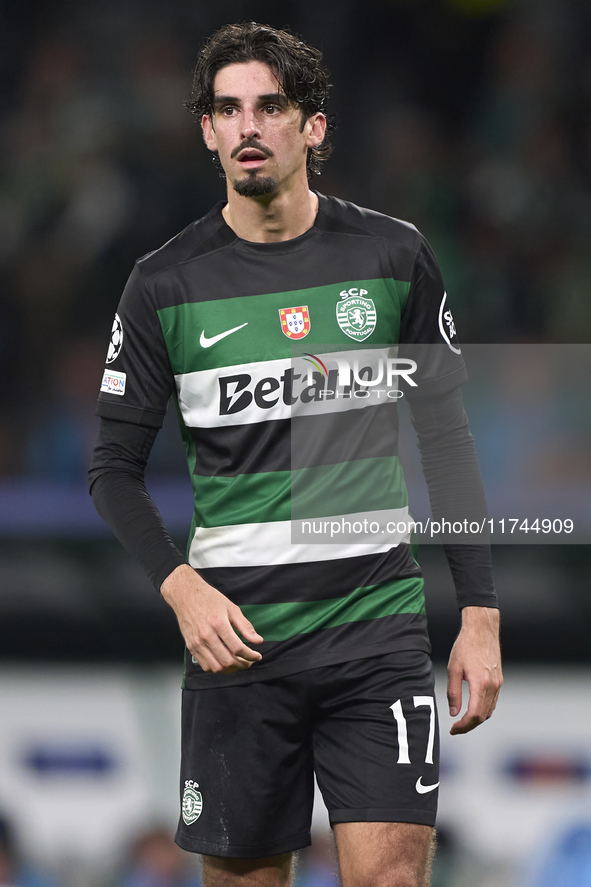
316,125
208,133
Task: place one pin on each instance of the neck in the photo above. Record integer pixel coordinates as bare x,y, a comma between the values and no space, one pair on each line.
272,218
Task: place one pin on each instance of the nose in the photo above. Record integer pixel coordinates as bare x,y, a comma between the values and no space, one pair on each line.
250,127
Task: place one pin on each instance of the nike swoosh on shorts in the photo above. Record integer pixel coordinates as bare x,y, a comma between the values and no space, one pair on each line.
206,342
423,789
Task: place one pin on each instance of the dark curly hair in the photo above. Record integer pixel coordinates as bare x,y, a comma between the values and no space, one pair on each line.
296,66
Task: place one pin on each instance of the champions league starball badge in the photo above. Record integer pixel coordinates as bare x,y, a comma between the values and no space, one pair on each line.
116,342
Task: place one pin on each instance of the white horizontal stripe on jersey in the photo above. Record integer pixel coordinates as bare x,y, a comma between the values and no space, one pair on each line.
266,544
207,397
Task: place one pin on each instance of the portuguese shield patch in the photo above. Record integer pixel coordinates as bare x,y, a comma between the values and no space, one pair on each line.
295,322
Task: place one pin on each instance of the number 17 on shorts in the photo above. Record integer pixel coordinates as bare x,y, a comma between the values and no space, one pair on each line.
403,749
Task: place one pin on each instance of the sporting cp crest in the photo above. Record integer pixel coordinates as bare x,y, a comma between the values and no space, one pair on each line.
295,322
357,317
192,802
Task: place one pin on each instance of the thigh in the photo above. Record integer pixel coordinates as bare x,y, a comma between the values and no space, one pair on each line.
246,771
376,741
384,854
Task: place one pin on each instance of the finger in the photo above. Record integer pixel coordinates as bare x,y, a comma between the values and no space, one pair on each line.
476,713
219,648
494,703
454,692
231,650
223,653
465,724
239,650
221,663
488,686
483,701
246,628
241,663
209,649
205,658
210,663
493,697
489,703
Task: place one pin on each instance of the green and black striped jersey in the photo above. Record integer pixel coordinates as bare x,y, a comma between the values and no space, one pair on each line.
272,352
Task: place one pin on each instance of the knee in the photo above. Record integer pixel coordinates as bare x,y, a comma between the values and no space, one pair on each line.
384,854
389,873
385,878
273,871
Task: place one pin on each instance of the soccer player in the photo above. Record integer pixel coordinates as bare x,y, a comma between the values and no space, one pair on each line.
303,655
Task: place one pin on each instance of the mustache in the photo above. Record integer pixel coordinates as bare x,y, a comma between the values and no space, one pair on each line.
251,143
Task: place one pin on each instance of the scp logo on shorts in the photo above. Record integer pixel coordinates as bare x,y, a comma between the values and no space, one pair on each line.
192,802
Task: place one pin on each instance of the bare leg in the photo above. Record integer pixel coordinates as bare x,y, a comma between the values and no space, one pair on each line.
385,854
272,871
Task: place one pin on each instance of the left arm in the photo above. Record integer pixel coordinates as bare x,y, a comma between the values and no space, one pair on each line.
456,493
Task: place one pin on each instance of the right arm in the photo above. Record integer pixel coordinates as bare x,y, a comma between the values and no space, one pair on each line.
206,617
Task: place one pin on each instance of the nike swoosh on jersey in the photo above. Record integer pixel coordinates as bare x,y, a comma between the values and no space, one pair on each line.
423,789
206,342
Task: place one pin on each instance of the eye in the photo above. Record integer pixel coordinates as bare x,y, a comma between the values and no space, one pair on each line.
227,110
271,109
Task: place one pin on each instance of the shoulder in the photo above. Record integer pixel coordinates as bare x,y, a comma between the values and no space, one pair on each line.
204,235
346,217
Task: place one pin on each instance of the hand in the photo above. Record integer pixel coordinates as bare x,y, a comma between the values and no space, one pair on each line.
476,658
207,620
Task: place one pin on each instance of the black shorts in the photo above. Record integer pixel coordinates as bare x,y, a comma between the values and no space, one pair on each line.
367,728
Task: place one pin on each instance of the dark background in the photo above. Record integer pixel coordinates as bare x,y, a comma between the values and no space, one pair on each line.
469,118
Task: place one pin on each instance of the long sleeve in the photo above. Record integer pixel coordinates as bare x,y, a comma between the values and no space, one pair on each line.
119,494
455,489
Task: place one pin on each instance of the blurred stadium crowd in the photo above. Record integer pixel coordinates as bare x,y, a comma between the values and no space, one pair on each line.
469,118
